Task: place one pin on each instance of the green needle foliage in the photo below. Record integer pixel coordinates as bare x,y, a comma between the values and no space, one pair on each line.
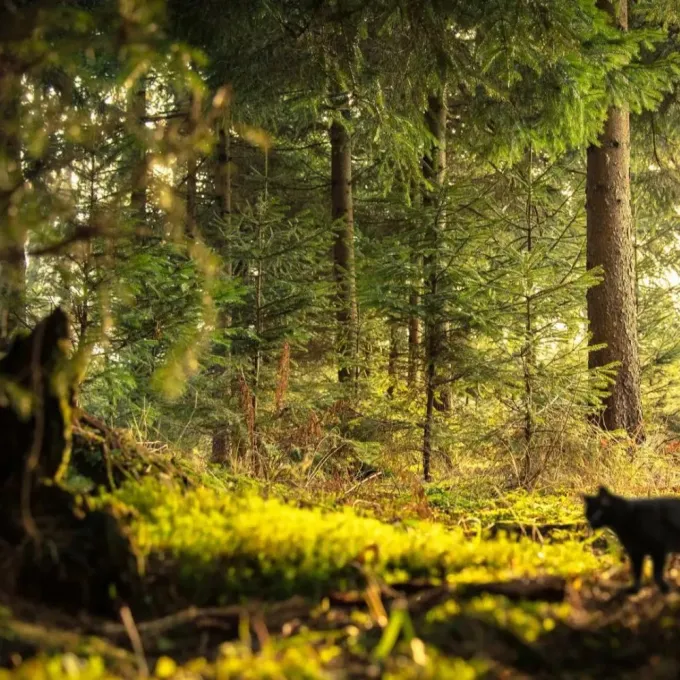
168,170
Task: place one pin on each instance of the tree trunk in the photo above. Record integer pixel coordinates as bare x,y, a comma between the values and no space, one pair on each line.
434,167
220,439
413,337
218,453
140,169
12,231
88,264
529,349
223,182
612,312
191,224
413,342
259,287
393,357
343,249
416,283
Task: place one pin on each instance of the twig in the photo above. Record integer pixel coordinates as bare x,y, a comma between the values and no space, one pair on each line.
192,614
109,466
358,484
135,640
14,255
166,623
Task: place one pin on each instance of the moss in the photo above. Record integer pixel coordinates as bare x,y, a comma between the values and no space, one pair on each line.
245,545
513,506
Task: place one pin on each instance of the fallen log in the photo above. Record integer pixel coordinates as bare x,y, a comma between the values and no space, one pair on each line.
542,589
536,532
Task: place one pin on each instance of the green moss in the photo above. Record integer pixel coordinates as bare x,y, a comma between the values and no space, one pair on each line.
302,662
523,507
433,665
294,659
527,620
250,546
62,667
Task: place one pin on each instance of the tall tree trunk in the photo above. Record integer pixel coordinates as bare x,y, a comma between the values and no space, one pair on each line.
192,181
223,204
87,262
434,168
343,249
191,225
223,185
413,338
259,285
416,282
140,168
612,312
529,349
393,357
13,233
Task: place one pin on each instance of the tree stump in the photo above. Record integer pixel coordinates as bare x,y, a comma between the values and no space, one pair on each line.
52,548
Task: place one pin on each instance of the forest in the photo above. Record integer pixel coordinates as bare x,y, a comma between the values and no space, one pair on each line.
319,319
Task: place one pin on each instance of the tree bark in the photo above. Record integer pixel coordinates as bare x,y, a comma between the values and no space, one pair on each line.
529,349
416,283
223,182
12,231
612,313
218,453
191,223
343,249
81,304
393,357
434,168
413,337
140,168
220,438
259,293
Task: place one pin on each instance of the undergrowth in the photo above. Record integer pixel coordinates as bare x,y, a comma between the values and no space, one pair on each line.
234,542
231,540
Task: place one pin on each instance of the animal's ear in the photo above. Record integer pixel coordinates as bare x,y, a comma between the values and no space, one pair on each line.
605,496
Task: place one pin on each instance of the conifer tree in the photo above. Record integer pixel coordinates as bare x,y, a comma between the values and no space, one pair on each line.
470,282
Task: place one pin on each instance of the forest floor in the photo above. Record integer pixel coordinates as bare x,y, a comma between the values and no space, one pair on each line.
245,581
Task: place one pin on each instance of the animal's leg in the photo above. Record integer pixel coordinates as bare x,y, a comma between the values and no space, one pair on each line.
637,559
659,559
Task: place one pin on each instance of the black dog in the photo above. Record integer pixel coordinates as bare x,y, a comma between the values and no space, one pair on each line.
645,526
